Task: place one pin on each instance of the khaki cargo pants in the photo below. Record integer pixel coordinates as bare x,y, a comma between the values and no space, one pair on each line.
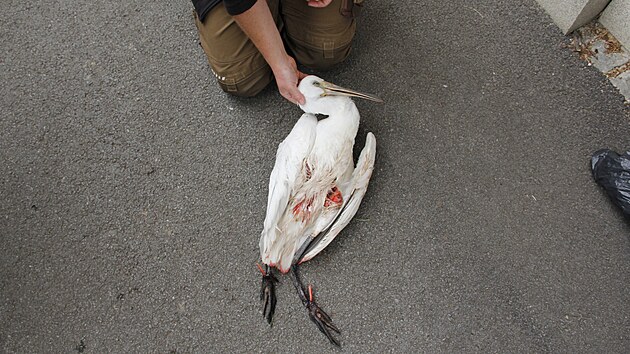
318,38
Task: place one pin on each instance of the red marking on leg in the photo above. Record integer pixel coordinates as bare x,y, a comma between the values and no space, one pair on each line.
261,269
310,293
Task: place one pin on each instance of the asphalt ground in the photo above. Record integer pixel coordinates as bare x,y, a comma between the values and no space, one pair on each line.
133,190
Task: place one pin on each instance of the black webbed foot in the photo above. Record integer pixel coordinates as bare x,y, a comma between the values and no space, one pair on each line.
315,313
321,319
268,292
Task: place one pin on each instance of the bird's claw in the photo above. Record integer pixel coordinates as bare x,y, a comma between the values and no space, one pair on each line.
268,294
323,321
315,313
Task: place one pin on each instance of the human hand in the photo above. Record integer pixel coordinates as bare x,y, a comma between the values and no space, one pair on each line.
318,3
287,78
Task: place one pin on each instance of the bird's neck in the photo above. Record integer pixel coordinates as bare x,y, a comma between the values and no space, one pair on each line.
342,108
344,116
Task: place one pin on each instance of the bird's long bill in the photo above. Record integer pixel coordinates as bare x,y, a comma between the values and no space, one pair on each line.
334,90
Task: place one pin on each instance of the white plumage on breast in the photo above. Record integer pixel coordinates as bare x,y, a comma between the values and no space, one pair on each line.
314,190
311,180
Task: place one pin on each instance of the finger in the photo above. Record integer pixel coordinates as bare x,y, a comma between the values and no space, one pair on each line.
294,95
299,97
301,75
317,3
287,97
295,98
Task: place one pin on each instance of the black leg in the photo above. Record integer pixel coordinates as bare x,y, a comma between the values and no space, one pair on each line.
315,313
268,292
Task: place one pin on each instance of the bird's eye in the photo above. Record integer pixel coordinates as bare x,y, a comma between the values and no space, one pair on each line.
316,84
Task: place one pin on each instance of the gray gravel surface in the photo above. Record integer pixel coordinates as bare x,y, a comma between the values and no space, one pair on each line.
133,190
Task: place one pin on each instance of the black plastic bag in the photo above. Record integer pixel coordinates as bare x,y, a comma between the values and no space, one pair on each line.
612,171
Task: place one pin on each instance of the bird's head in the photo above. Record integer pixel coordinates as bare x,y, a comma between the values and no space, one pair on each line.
320,94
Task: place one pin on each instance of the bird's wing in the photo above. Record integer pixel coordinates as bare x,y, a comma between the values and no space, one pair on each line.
356,191
289,161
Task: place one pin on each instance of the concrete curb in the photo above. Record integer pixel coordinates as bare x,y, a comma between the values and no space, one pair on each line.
616,18
569,15
599,47
599,43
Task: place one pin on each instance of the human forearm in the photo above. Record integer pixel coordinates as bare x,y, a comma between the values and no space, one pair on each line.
258,24
260,27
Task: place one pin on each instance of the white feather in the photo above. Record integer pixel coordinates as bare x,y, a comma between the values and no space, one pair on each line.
289,158
356,190
313,167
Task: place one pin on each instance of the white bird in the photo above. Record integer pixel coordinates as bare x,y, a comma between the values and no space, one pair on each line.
314,189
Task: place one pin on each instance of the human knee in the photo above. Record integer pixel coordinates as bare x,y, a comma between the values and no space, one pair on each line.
323,58
244,85
241,90
319,38
322,52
